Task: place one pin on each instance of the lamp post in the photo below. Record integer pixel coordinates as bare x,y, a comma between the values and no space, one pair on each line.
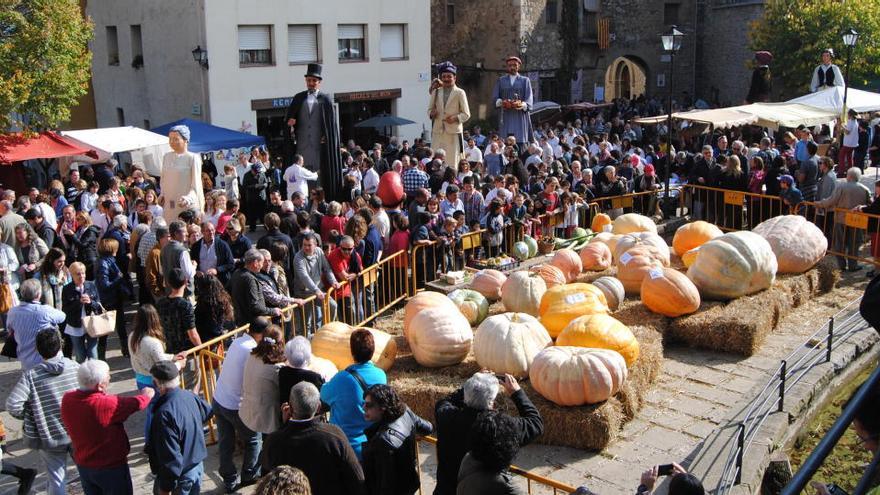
524,47
671,44
200,55
850,38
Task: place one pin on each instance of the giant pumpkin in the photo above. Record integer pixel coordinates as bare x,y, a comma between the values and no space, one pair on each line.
507,343
633,265
522,292
552,276
613,290
488,282
733,265
439,337
421,301
564,303
632,222
670,293
471,303
599,222
797,243
635,239
323,367
332,342
602,331
693,235
608,239
569,262
596,256
574,376
390,189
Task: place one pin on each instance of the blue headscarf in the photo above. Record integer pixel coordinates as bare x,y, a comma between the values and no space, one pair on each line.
446,67
182,130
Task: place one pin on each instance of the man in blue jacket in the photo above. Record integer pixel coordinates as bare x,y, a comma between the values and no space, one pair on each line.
176,445
212,255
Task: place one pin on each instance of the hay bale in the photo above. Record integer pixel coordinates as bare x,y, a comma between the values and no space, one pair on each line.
829,274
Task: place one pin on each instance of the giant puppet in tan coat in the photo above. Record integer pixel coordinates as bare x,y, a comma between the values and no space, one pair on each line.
448,109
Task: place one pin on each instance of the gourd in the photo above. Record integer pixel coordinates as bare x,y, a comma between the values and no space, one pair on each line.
522,292
599,222
421,301
670,293
507,343
689,257
532,244
632,222
439,337
603,332
332,342
693,235
552,276
520,251
635,239
613,290
733,265
569,262
574,376
634,264
471,303
797,243
564,303
596,256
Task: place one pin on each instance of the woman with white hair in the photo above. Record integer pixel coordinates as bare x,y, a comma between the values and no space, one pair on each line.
298,352
181,176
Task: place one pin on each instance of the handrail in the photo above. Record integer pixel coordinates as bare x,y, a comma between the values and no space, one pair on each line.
528,475
364,280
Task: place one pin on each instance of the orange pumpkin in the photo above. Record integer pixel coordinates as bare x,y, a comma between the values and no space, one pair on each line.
603,332
634,264
569,262
563,303
599,222
693,235
670,293
635,239
422,301
552,276
488,283
596,256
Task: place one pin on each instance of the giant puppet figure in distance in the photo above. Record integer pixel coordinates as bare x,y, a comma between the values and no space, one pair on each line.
513,98
316,134
181,176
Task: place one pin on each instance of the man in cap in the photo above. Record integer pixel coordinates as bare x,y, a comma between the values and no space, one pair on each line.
316,134
826,74
448,110
513,98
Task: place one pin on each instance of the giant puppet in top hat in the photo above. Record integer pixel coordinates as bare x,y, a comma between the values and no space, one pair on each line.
314,70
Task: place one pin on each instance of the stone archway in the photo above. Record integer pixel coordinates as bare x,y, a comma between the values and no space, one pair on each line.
625,78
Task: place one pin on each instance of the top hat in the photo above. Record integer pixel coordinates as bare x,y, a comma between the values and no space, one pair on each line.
314,70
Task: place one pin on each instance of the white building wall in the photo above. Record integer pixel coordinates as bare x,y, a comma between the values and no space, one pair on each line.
232,87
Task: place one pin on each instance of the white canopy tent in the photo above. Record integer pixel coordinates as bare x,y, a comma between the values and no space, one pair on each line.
145,147
832,99
770,115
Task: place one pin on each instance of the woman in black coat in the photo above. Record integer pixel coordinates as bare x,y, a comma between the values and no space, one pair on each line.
80,297
83,244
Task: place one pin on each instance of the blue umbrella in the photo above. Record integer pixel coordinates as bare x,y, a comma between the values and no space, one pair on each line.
384,120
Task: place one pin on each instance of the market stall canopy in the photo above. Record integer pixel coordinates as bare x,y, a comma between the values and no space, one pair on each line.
207,137
18,147
770,115
146,147
832,99
718,117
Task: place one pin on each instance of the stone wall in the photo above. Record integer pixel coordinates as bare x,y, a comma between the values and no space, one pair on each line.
726,60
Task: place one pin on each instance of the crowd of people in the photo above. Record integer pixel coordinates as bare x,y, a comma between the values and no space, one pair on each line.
266,239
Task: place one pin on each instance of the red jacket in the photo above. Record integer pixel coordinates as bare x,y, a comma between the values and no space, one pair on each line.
94,422
339,262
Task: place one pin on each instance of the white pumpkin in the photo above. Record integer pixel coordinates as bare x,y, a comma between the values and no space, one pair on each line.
613,290
797,243
608,239
471,303
633,222
629,241
507,343
733,265
439,337
522,292
323,367
573,376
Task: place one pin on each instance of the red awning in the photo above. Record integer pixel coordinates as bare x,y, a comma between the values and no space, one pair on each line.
16,147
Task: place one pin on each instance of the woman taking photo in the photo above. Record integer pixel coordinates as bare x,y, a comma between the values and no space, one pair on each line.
84,242
261,382
114,288
80,298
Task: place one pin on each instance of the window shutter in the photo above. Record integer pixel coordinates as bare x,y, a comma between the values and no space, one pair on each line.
391,41
351,31
254,38
302,43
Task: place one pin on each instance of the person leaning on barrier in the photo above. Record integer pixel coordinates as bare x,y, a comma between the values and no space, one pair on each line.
247,298
456,413
846,196
298,352
873,225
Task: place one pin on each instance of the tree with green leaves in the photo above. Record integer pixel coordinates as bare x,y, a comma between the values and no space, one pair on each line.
796,32
44,62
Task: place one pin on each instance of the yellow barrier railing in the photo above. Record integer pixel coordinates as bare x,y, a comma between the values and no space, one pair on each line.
847,231
373,291
731,210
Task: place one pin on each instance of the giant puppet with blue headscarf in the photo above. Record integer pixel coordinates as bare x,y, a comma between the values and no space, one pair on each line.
448,110
513,98
181,176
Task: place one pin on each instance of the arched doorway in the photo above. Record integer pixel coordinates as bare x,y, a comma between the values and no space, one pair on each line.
624,78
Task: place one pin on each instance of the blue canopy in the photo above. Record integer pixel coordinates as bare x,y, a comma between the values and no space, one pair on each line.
207,137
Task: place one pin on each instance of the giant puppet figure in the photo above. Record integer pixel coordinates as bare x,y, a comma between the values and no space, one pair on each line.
448,109
827,74
513,96
316,135
181,176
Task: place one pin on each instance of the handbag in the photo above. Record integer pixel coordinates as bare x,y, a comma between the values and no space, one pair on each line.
6,302
100,325
10,347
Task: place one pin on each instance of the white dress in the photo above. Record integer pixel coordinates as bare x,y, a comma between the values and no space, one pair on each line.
181,178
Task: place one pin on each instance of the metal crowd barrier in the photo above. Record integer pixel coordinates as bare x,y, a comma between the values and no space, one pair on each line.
375,290
847,231
645,203
731,210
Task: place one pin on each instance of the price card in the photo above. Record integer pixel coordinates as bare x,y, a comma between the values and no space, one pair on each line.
655,273
625,258
575,298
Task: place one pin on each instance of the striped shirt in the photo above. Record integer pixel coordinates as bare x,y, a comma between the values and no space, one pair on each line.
36,399
26,320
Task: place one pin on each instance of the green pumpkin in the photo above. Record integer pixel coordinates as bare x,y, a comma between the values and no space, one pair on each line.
578,232
520,251
472,305
532,244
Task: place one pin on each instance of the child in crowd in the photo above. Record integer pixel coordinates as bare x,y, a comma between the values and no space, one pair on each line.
790,194
449,240
229,181
88,200
519,216
494,222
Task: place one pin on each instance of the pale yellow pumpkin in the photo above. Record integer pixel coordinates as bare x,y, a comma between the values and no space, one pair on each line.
632,222
488,282
634,264
564,303
421,301
670,293
693,235
574,376
797,243
596,257
613,290
332,342
522,292
599,222
569,262
471,303
733,265
552,276
689,257
608,239
439,337
601,331
323,367
507,343
636,239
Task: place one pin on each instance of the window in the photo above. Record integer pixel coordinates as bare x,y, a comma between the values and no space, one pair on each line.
670,13
450,13
351,42
112,46
550,12
590,26
392,41
302,43
549,89
120,116
254,45
137,46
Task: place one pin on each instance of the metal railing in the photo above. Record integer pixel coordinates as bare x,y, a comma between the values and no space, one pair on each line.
373,291
846,230
731,210
814,351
